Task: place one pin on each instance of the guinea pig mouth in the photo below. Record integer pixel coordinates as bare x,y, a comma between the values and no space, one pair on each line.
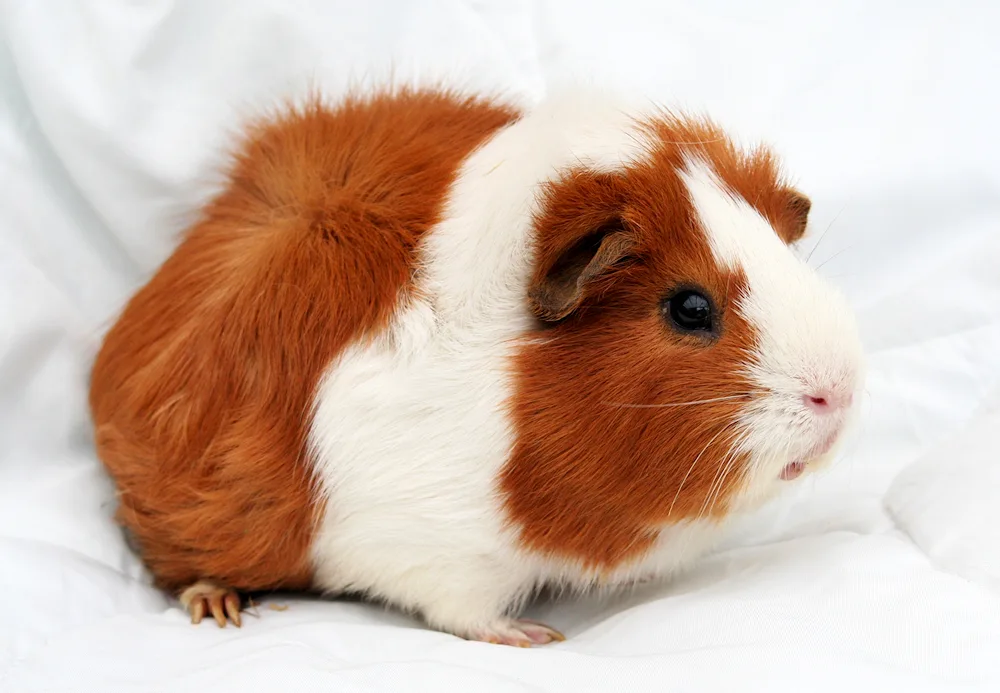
793,470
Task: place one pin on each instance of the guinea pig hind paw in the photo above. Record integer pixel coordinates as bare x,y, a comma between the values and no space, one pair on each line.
517,633
207,598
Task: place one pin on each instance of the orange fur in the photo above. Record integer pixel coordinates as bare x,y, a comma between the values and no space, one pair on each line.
202,390
590,479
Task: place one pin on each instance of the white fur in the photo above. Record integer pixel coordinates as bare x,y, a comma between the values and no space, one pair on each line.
409,432
808,337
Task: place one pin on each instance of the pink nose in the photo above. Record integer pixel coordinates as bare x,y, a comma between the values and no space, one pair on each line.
826,401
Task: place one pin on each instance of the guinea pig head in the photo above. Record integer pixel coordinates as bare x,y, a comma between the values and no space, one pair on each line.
687,363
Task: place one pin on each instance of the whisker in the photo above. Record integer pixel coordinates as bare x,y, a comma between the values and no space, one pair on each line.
839,252
742,395
731,455
823,235
717,481
691,468
734,450
715,491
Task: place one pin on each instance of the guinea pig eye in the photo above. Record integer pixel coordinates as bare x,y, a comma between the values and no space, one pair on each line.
690,311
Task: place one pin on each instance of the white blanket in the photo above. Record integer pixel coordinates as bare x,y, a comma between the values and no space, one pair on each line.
112,118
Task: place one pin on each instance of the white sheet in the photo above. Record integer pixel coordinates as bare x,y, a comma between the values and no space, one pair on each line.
111,119
947,502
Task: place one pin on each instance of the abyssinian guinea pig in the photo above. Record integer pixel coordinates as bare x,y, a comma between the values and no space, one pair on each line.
442,351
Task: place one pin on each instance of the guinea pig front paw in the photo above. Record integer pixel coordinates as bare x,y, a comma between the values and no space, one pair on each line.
206,597
517,632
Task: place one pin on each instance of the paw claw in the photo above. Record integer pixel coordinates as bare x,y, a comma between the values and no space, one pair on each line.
552,633
518,633
203,598
197,611
232,604
215,606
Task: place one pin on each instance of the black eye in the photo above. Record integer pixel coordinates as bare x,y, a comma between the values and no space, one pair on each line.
690,311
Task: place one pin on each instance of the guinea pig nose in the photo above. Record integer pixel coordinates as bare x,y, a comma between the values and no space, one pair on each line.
824,401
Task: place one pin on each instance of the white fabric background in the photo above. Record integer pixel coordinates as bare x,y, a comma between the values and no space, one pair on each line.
112,118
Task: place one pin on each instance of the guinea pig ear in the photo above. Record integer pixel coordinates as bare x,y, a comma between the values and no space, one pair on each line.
796,215
561,280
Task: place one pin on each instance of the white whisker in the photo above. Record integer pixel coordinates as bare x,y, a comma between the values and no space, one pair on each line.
823,235
839,252
715,490
743,395
727,463
691,468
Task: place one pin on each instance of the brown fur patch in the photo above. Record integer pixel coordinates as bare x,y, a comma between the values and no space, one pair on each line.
755,175
597,467
202,391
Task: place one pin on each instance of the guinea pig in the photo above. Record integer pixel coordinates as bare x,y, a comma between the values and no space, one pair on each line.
443,351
